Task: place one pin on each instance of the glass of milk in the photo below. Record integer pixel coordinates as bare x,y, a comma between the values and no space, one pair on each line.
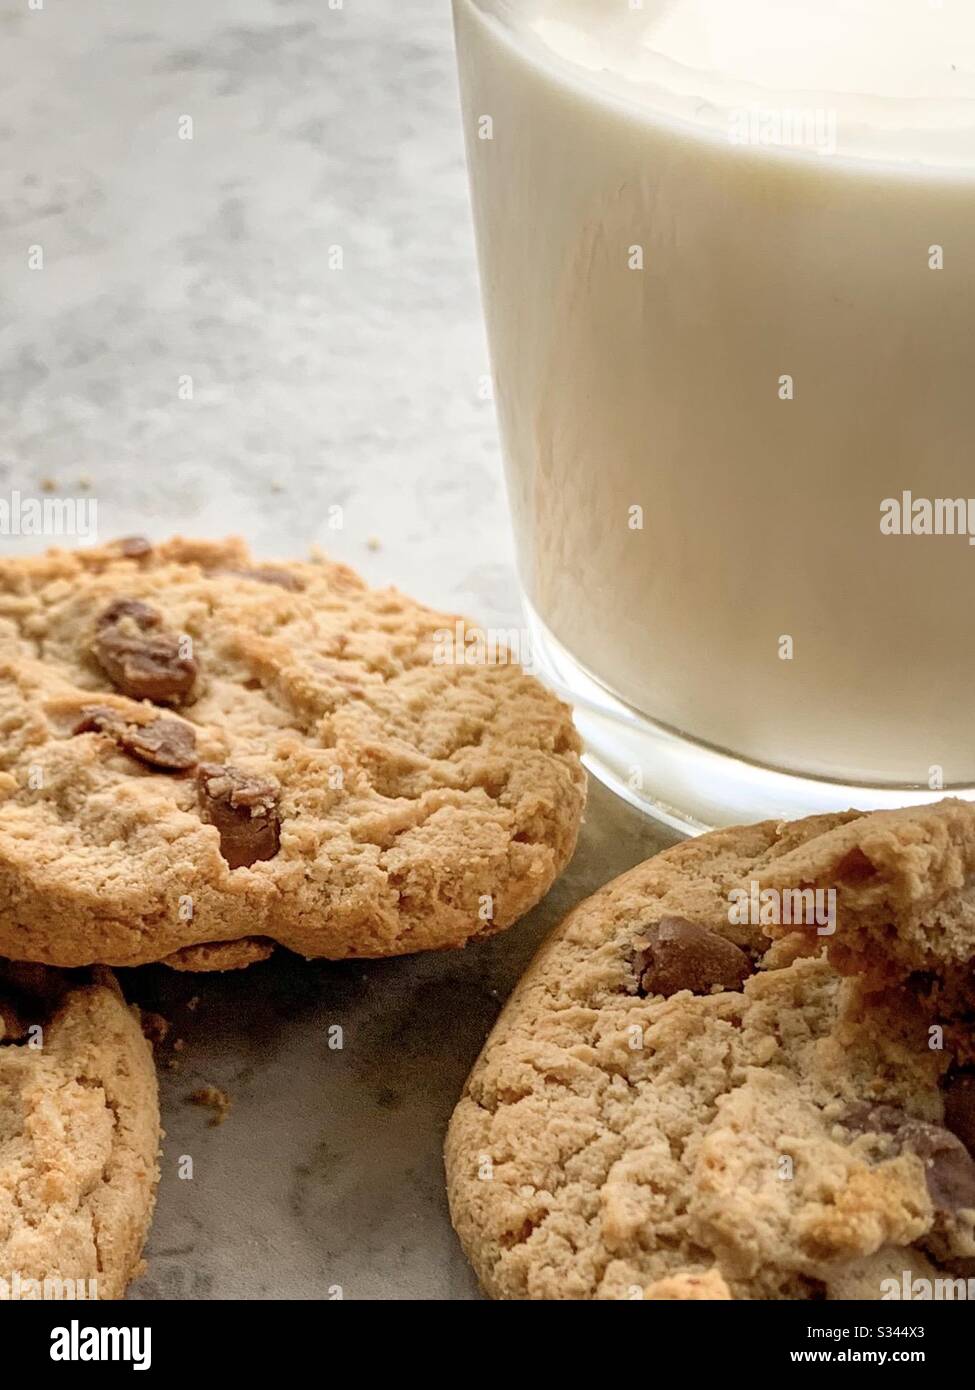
727,254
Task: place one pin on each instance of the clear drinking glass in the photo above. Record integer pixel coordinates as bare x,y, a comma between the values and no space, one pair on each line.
727,254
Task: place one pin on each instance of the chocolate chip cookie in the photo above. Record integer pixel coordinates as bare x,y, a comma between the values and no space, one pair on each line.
673,1106
204,756
79,1135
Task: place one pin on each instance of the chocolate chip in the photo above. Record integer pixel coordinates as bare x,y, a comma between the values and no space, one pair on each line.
134,547
244,809
141,614
676,954
948,1166
164,743
140,657
959,1089
270,574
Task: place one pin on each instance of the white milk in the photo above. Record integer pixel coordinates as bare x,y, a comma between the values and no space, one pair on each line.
709,233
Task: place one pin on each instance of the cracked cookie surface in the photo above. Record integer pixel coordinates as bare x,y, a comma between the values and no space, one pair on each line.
79,1131
672,1106
204,756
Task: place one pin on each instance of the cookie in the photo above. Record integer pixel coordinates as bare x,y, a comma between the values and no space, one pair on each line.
204,756
672,1107
79,1135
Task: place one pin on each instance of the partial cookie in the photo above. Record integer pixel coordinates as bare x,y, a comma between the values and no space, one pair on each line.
79,1135
204,756
905,883
669,1107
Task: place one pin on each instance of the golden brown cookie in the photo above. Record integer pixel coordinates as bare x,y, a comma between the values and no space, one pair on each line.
203,755
671,1107
79,1135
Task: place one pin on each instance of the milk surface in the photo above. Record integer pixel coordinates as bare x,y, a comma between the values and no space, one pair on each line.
728,263
867,51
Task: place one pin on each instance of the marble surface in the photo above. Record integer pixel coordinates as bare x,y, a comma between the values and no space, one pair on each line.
313,387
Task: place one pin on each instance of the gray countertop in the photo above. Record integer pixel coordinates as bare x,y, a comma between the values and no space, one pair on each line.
212,258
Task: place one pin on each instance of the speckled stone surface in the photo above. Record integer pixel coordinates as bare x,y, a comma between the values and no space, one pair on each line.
312,387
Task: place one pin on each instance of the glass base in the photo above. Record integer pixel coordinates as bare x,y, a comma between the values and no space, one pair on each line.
690,786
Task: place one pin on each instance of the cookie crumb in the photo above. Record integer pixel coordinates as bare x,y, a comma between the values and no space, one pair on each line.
193,1004
155,1027
49,485
216,1100
374,543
